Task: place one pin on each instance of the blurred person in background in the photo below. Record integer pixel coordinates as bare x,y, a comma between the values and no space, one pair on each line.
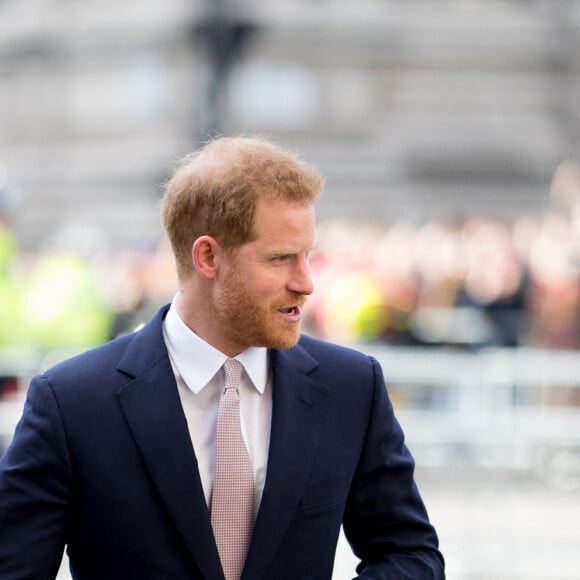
63,305
139,283
554,297
494,280
349,306
41,293
554,262
395,269
438,262
116,454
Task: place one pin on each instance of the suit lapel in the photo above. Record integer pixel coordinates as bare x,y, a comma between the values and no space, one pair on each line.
298,410
155,417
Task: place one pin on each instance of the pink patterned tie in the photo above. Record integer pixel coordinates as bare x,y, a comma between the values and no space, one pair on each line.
232,500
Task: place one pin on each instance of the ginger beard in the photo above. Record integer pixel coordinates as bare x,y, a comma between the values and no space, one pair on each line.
248,322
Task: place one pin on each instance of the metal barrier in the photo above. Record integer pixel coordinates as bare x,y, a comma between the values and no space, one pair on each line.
498,408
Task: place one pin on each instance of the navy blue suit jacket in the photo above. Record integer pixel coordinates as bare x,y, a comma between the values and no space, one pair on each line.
102,462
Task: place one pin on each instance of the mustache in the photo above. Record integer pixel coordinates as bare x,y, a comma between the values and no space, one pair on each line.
294,299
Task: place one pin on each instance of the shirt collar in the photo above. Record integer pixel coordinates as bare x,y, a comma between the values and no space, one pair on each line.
198,361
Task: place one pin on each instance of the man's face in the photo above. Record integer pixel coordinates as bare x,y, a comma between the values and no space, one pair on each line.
258,294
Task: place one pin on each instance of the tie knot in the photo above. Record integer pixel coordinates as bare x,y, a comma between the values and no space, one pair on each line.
233,369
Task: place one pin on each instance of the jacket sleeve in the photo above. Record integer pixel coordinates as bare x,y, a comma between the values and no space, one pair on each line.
35,490
385,521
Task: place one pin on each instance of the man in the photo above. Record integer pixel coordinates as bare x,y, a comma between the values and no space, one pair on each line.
121,455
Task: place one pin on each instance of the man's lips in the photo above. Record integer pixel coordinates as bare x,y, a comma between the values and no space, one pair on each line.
291,313
288,309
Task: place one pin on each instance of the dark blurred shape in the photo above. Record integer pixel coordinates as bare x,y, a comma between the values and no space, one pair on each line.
223,34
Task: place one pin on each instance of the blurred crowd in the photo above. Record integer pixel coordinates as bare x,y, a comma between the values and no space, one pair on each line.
472,283
468,283
74,292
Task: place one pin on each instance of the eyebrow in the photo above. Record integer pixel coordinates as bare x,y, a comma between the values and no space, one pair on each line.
290,252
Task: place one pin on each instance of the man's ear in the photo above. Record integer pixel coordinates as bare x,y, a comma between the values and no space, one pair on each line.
205,256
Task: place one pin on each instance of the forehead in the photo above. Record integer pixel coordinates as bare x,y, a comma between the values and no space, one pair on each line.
280,220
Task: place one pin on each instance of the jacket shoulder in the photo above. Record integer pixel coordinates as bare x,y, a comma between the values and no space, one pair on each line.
337,357
112,363
316,346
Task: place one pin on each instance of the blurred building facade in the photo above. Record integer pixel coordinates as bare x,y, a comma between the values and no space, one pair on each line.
411,109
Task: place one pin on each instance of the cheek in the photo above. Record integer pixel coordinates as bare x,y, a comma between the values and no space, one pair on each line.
269,286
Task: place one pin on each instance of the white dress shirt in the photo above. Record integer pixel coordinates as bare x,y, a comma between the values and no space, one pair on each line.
200,381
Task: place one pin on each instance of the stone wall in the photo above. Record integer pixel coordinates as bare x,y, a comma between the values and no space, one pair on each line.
412,109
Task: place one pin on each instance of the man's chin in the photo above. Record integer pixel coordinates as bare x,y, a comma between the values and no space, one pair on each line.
288,344
283,341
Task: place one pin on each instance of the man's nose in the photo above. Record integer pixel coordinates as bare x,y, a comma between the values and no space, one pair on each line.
301,280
